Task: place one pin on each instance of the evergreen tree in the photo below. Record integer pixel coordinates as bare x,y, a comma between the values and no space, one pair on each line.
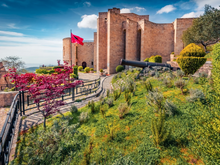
205,29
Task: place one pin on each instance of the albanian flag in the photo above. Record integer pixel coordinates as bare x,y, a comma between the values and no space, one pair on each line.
76,39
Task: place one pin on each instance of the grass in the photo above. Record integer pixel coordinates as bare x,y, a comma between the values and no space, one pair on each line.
132,136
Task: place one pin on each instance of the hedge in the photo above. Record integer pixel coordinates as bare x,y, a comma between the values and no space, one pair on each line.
192,50
189,65
119,68
75,70
157,59
41,71
87,69
80,68
146,60
216,67
55,67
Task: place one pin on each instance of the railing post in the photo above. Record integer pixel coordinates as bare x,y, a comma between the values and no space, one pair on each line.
20,103
73,94
23,103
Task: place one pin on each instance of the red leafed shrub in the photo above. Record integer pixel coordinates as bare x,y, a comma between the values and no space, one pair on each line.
45,88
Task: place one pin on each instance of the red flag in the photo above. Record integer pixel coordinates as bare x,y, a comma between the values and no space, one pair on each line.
76,39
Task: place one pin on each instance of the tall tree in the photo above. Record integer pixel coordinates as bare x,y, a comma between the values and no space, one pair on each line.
13,62
205,29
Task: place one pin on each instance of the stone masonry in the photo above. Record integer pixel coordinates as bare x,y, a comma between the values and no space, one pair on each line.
126,36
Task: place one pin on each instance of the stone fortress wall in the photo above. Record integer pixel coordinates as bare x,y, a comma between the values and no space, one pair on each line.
128,36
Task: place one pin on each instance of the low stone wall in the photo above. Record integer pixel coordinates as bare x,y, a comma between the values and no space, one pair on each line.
6,98
205,68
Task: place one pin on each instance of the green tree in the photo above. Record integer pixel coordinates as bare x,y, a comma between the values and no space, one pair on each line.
205,29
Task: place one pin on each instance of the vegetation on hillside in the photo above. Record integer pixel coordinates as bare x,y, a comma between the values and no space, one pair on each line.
160,124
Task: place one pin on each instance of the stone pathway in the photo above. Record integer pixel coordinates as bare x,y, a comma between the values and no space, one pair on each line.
30,120
3,115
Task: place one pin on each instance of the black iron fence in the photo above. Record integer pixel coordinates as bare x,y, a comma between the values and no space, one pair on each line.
22,103
8,131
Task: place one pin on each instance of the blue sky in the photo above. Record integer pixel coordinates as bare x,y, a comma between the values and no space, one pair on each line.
34,29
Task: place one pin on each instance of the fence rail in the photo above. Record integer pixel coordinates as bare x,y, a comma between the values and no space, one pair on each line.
8,131
22,103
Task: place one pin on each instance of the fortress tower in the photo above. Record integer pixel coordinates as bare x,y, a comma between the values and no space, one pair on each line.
128,36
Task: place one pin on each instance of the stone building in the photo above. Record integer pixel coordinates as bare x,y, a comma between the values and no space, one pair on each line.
128,36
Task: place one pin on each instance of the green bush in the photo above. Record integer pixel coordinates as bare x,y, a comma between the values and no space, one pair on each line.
146,60
148,85
91,69
157,59
51,71
216,67
119,68
192,50
189,65
159,130
73,109
72,75
75,70
101,70
180,84
55,67
41,71
84,117
80,68
123,110
87,69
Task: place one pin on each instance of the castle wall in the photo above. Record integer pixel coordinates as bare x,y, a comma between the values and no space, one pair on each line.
157,39
95,51
129,36
131,40
115,49
85,53
66,49
180,25
135,17
102,41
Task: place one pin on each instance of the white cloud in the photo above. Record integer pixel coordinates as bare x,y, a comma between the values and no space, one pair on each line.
88,21
87,4
139,9
4,5
192,14
11,33
125,10
134,9
201,4
200,7
33,51
166,9
12,26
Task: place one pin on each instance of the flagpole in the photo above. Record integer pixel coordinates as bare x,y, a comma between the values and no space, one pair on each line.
70,48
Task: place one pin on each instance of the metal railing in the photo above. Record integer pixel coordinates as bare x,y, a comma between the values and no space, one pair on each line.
8,130
22,102
73,94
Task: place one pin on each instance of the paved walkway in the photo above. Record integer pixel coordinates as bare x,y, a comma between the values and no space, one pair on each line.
27,122
3,115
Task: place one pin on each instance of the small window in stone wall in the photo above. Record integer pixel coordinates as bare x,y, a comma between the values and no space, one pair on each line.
92,62
105,19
